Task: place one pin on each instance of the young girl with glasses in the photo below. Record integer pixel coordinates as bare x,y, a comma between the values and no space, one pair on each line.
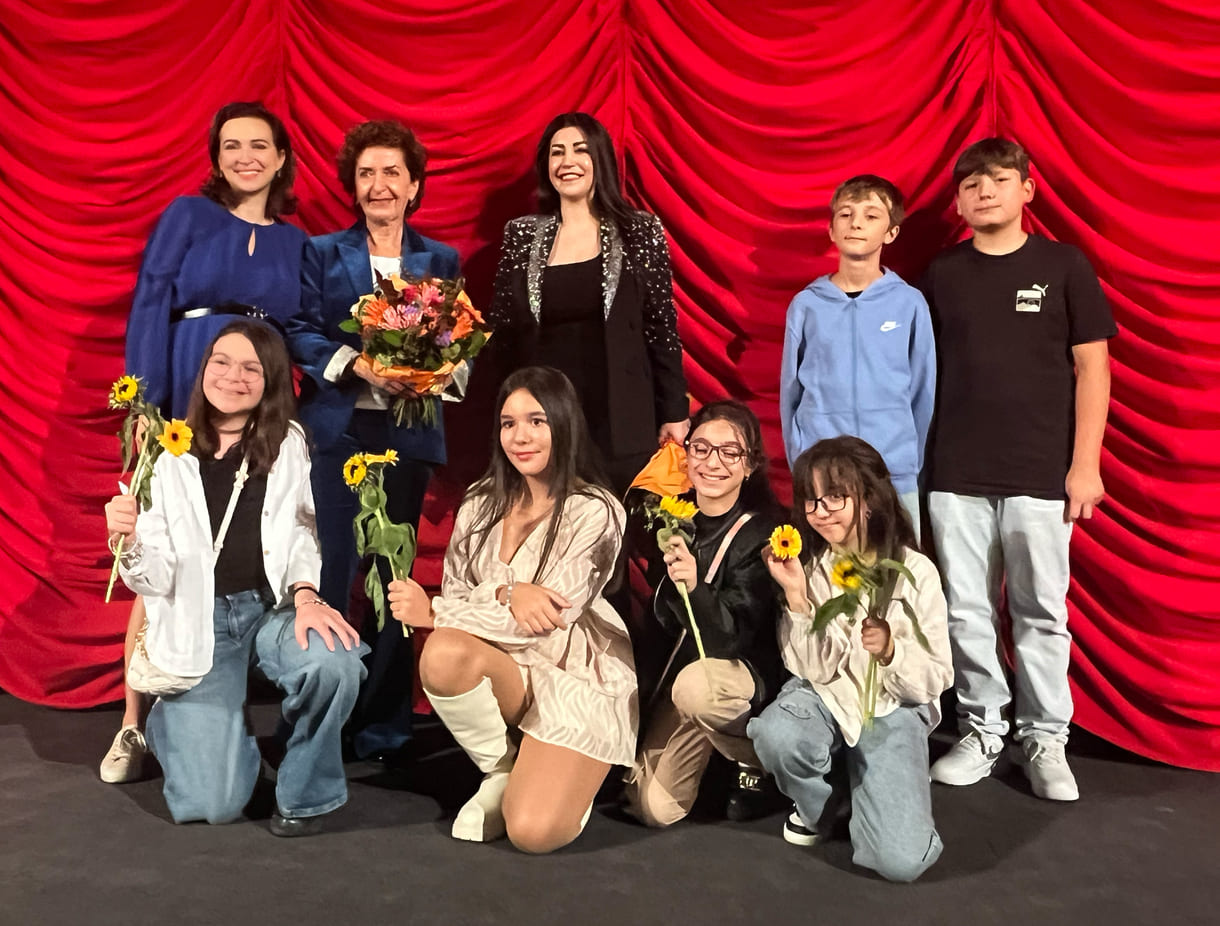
842,491
702,705
228,563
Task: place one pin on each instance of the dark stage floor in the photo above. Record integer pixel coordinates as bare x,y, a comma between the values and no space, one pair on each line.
1142,846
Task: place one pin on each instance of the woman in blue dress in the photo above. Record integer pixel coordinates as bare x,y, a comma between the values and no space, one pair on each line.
226,252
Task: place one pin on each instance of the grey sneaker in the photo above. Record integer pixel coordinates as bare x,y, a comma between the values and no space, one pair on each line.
795,831
971,760
126,759
1047,769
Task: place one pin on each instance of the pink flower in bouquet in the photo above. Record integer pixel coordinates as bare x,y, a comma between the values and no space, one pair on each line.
429,295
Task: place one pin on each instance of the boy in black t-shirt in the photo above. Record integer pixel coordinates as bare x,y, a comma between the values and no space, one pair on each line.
1024,387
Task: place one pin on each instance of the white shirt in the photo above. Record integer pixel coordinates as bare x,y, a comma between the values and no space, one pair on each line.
835,662
176,570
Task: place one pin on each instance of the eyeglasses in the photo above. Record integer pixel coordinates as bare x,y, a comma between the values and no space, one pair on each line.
728,453
246,372
831,501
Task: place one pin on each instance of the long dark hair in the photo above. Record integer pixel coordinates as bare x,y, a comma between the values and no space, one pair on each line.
280,199
268,423
574,466
756,492
608,199
852,467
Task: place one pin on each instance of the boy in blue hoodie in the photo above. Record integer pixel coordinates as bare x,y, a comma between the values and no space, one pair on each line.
859,356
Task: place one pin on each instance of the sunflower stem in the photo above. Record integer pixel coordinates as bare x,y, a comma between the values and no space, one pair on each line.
118,547
383,521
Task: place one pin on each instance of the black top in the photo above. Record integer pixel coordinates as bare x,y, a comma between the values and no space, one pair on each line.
572,336
239,567
1006,389
737,614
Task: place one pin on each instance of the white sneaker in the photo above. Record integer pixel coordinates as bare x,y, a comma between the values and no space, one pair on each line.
971,760
126,759
1047,769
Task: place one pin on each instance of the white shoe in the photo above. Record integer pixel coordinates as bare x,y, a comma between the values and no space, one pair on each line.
473,718
126,759
971,760
1047,769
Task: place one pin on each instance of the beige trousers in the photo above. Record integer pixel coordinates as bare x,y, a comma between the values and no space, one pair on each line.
708,709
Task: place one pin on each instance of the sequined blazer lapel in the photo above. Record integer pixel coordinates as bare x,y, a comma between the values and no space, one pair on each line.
545,229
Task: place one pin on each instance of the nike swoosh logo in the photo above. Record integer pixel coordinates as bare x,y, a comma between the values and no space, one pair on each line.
888,326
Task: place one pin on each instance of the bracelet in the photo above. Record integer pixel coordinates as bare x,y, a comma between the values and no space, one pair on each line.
316,599
131,552
508,594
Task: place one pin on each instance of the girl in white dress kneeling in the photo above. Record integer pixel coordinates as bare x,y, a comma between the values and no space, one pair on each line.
523,638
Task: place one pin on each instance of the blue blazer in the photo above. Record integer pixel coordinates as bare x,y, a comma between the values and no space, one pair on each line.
335,272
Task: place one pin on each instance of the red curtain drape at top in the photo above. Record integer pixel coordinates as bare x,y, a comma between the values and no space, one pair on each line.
734,123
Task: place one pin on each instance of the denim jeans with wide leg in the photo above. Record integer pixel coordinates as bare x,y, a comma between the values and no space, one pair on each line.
892,831
202,737
1020,542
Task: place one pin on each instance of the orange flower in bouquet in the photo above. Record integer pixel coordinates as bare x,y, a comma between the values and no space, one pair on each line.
418,331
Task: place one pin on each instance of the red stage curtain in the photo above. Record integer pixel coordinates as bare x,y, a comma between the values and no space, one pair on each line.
734,121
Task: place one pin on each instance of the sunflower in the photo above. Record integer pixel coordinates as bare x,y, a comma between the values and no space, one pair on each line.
355,469
176,437
785,542
124,391
390,456
682,510
845,575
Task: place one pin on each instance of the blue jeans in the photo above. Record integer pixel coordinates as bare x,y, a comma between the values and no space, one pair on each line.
984,542
202,738
892,831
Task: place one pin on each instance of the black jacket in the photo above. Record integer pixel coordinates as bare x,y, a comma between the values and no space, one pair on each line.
643,352
738,613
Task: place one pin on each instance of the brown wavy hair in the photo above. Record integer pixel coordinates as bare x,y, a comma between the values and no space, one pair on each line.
269,422
854,468
385,133
280,199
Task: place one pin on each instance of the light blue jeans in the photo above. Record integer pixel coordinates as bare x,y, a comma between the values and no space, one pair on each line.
1019,543
892,831
202,738
910,501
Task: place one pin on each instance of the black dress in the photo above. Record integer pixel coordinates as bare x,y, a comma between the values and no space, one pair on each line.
571,334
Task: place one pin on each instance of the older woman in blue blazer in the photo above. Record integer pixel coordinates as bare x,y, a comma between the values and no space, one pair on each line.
346,405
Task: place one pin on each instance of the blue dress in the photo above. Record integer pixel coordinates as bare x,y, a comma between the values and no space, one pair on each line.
198,255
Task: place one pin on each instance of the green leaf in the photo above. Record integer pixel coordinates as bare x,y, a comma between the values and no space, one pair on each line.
376,594
915,628
831,608
351,325
898,567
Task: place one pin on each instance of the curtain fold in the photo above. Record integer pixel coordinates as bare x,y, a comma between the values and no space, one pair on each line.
734,122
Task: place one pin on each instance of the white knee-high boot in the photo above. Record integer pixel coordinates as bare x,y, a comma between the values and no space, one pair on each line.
475,722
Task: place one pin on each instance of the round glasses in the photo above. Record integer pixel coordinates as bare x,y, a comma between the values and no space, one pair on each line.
728,453
221,367
831,501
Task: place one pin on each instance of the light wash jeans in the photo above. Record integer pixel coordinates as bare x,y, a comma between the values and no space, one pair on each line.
1021,542
892,831
203,741
910,501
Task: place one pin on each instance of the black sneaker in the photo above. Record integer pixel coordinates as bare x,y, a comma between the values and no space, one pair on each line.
796,832
754,795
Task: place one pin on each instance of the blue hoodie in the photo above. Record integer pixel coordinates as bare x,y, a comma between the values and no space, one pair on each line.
863,366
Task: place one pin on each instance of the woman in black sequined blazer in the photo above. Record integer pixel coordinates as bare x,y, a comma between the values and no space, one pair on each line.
585,286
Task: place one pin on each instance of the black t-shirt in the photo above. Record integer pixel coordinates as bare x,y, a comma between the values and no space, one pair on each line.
1005,327
239,567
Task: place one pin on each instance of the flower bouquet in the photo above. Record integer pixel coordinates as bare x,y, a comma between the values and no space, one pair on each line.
156,437
875,582
375,532
418,331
